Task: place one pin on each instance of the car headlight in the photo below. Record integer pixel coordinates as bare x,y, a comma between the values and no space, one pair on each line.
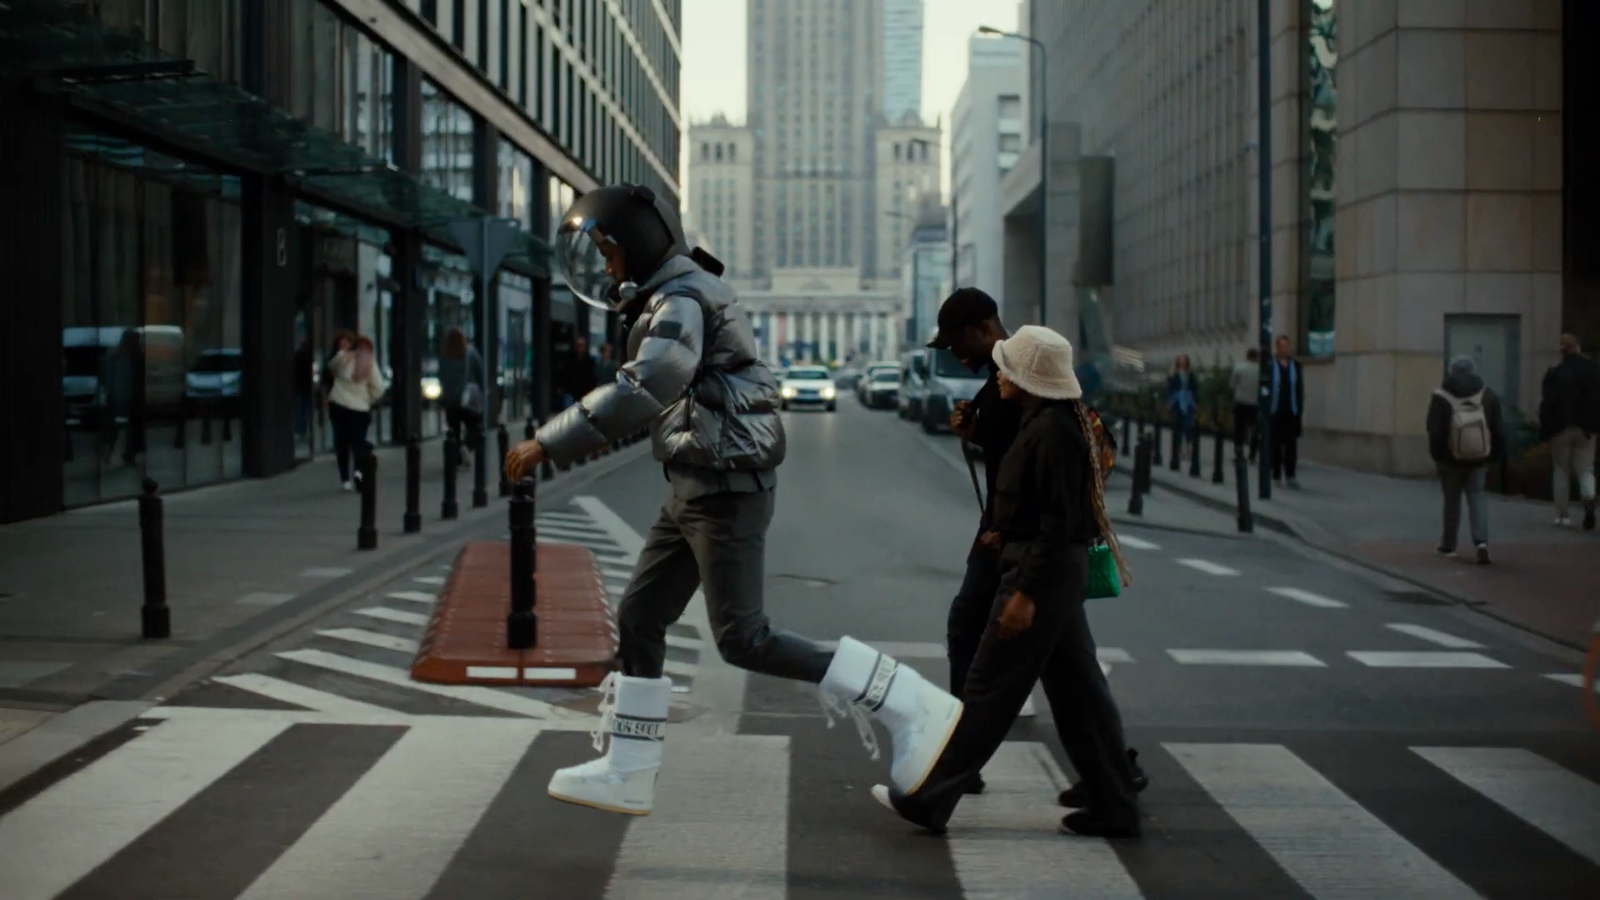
828,393
787,392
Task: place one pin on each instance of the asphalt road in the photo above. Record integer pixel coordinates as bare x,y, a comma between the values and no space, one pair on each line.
1308,732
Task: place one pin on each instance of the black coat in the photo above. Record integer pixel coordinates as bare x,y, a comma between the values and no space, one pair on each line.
1439,419
1571,397
1044,500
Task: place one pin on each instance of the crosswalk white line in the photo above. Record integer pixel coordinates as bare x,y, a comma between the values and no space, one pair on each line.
681,669
1434,637
582,533
1572,678
1308,598
1245,658
1424,659
1559,803
299,695
488,698
393,615
80,822
1208,567
697,844
1004,843
370,639
429,579
393,833
563,518
1136,543
413,596
683,643
1112,655
1321,837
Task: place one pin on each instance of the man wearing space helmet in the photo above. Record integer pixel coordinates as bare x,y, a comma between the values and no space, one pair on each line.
692,374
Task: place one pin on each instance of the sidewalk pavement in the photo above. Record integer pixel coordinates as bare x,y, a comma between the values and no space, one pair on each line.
244,561
1542,578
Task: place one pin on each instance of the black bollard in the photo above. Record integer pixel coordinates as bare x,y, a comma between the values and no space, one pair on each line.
1241,475
1216,454
1155,441
1141,464
1177,447
528,431
452,464
412,522
1194,452
156,617
1127,435
480,468
522,626
367,533
505,448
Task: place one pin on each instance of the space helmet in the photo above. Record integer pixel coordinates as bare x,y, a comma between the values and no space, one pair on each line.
627,223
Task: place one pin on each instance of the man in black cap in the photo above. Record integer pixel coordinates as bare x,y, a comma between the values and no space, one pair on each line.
969,327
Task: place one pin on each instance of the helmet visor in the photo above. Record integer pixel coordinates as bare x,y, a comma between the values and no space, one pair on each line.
582,264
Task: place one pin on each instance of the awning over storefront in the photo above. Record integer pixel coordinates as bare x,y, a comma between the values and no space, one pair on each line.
121,78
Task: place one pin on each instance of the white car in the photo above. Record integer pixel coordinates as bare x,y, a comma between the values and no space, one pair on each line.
808,386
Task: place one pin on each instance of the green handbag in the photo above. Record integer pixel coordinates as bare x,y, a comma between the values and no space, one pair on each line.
1104,579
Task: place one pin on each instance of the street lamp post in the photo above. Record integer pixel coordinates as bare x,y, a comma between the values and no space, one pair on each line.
1044,163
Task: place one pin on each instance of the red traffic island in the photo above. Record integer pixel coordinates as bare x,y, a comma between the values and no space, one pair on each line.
467,643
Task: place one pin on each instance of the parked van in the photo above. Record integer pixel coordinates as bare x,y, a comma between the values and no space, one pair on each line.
90,362
913,384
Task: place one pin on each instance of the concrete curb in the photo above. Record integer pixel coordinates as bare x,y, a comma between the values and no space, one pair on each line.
1317,538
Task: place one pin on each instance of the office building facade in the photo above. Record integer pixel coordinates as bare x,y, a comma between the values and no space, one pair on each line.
987,134
1427,195
206,192
902,60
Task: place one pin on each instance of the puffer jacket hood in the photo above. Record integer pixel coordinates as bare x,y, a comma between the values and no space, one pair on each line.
1463,384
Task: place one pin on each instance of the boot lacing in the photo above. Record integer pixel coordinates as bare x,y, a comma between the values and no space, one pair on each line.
608,705
833,706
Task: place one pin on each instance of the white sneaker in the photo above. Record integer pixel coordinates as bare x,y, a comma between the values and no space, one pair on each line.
624,779
920,717
1028,711
1563,522
347,487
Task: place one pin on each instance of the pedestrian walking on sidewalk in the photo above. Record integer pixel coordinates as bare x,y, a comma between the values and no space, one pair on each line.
1183,399
1286,403
693,374
1464,437
1049,509
970,327
1569,417
1246,383
461,390
357,387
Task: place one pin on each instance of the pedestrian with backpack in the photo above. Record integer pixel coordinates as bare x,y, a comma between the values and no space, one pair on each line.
1464,436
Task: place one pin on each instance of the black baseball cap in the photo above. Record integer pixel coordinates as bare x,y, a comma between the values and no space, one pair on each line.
963,309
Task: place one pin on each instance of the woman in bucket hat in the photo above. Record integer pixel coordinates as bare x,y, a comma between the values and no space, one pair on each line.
1049,509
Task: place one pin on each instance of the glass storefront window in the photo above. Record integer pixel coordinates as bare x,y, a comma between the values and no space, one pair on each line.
516,185
446,142
368,83
151,322
1322,136
516,344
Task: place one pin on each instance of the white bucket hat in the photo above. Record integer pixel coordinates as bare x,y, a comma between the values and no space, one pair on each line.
1039,361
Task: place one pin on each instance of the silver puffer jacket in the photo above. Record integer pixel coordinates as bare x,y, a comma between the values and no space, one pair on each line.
693,374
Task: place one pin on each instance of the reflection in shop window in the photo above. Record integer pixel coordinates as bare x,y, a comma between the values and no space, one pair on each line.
1322,135
446,143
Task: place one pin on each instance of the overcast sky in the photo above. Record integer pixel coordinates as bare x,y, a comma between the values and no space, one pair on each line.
714,57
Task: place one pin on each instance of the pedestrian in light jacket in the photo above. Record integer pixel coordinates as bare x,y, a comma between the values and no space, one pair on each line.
1465,435
358,385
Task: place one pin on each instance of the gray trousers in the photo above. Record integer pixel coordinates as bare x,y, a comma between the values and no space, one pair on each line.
716,543
1458,479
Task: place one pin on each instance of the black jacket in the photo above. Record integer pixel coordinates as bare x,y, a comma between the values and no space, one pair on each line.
1571,397
995,422
1439,418
1043,502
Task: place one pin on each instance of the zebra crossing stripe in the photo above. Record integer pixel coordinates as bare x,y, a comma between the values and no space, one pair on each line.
1559,803
82,821
1136,543
1434,637
413,596
1006,841
370,639
298,695
397,828
697,844
489,698
581,533
385,614
1308,598
1326,841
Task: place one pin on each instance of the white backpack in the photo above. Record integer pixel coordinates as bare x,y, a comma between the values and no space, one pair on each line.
1470,440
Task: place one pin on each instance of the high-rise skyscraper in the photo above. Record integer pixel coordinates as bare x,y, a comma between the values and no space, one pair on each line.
902,60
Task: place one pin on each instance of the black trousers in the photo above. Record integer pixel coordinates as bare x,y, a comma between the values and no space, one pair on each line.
349,435
717,544
1285,428
1058,649
1245,432
969,615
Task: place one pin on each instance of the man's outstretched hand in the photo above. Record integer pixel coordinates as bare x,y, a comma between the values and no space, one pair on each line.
523,459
